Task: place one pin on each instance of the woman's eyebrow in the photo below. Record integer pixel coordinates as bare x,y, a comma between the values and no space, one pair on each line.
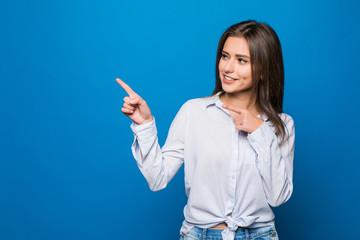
237,55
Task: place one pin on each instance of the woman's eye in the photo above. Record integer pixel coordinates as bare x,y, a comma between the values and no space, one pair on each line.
241,60
224,56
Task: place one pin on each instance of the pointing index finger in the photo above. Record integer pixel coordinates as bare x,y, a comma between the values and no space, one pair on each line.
126,88
234,109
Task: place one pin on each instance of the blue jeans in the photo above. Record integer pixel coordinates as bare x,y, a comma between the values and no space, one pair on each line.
262,233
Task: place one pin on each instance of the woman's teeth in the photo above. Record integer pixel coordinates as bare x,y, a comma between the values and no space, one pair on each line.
229,78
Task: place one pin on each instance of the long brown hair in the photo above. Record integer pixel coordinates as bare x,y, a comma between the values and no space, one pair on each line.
267,68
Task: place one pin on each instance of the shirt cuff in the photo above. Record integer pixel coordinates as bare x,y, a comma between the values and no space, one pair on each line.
144,130
263,135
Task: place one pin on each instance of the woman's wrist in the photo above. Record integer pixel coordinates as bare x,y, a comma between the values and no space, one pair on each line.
148,119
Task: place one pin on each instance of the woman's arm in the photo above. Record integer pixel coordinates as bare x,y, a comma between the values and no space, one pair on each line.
157,165
275,160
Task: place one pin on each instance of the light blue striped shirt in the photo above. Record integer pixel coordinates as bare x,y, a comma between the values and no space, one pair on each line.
226,170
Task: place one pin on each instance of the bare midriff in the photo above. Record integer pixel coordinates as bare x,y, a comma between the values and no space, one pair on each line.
222,225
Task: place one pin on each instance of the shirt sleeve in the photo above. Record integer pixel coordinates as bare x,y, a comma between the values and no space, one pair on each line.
159,165
275,160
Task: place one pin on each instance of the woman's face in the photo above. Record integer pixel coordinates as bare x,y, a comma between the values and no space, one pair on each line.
235,67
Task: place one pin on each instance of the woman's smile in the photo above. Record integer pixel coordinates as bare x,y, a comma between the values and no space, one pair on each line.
229,78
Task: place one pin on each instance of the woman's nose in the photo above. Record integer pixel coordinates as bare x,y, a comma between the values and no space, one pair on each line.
229,67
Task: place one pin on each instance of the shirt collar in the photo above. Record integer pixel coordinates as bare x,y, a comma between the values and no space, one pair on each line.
215,100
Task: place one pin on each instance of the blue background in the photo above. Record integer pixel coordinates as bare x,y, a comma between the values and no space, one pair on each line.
66,168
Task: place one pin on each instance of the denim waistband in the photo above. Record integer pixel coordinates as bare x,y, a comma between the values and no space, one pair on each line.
241,233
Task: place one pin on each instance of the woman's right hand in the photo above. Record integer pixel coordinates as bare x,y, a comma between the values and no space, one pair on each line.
134,106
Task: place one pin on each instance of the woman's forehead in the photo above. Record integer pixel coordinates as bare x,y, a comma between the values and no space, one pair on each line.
236,45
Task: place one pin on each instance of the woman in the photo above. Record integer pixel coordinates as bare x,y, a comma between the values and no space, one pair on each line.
237,144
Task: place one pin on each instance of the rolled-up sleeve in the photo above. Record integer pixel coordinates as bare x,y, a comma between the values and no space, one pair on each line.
159,165
275,160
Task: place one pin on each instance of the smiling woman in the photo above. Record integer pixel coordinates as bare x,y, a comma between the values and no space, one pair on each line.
255,46
237,144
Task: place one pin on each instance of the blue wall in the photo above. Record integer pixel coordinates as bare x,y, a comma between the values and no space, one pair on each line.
66,168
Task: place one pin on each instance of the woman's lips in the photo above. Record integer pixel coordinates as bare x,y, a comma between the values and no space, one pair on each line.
229,80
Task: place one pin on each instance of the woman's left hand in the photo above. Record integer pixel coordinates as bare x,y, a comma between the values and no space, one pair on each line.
244,120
